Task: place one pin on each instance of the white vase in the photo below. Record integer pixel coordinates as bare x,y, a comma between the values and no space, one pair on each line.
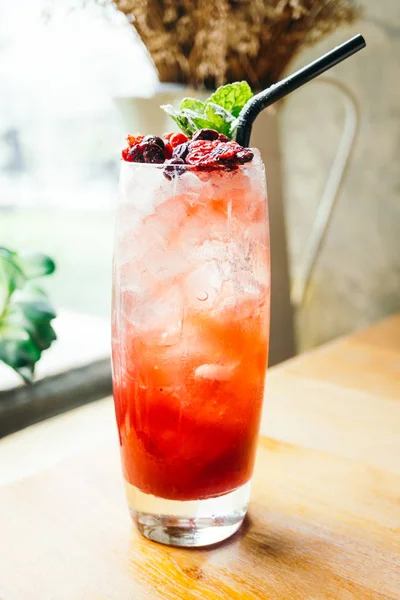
143,114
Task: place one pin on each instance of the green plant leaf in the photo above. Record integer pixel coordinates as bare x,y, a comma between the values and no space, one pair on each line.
19,354
218,118
43,335
178,117
26,313
11,275
37,311
36,265
195,120
232,96
33,291
192,104
220,111
233,129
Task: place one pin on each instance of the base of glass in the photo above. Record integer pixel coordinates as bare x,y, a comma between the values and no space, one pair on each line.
190,523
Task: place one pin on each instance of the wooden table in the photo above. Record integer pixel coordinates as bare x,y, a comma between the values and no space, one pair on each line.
324,521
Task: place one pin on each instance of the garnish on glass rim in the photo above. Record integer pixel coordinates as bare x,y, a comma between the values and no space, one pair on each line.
216,132
220,111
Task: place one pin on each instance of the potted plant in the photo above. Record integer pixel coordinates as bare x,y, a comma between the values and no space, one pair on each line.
77,368
26,314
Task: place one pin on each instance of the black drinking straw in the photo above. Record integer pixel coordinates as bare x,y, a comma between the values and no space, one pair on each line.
278,90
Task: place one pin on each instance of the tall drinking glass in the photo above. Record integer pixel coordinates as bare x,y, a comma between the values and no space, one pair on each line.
190,344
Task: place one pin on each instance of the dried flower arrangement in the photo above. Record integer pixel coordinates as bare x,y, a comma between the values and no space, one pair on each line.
207,43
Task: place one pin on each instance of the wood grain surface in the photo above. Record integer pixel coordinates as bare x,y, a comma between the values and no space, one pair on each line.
324,520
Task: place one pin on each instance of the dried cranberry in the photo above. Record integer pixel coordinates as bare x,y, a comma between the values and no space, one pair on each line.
223,138
125,155
134,139
154,139
152,153
225,151
215,154
173,168
243,156
168,150
205,134
200,152
177,138
230,165
181,151
136,153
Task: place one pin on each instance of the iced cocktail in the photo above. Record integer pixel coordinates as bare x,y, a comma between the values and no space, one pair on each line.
190,341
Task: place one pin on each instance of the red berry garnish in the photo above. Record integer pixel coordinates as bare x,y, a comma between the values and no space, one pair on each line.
245,155
167,136
136,153
200,152
216,154
225,151
207,150
168,149
177,138
205,134
181,151
125,155
173,168
152,153
134,139
154,139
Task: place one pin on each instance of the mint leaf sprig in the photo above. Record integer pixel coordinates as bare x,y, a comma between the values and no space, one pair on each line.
25,311
220,111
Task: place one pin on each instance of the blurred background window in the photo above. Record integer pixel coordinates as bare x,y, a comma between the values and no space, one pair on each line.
60,137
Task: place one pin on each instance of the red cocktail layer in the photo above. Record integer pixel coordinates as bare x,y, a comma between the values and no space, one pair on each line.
188,415
190,331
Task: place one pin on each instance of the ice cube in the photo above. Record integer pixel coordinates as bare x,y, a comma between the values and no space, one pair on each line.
141,185
159,318
211,250
215,372
128,219
203,285
192,186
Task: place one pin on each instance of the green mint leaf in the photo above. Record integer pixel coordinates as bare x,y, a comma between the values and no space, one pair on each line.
232,96
195,120
218,118
219,111
178,117
26,313
233,129
192,104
